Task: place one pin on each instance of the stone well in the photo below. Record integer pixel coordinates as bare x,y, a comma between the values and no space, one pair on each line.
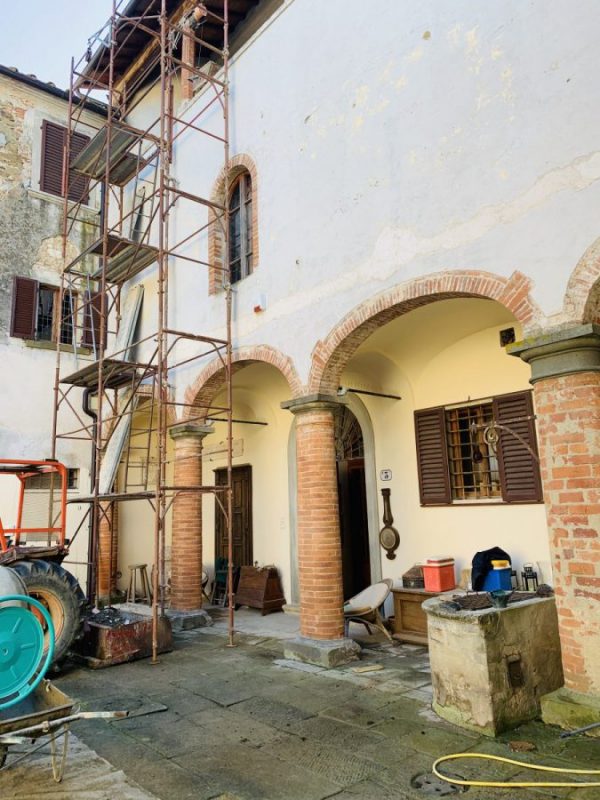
490,667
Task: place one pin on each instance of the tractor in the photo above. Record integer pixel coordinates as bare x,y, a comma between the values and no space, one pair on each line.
36,546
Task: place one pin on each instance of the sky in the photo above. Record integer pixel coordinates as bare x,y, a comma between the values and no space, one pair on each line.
40,36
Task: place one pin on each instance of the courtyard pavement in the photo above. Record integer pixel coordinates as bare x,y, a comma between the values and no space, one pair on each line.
242,723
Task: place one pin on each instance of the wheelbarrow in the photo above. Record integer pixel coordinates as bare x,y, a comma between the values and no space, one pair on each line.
31,708
39,720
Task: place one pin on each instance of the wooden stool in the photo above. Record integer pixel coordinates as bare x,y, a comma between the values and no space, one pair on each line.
146,594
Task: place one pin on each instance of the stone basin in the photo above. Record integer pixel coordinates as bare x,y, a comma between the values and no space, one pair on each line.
490,667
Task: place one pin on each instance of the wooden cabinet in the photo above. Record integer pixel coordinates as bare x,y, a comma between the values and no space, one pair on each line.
410,621
260,588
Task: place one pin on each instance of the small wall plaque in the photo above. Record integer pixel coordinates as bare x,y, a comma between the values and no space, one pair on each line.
385,475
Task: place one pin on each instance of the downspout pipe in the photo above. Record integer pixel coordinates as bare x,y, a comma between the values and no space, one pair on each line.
91,567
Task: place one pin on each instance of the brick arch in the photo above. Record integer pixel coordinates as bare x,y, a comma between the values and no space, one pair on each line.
239,163
331,354
582,297
211,379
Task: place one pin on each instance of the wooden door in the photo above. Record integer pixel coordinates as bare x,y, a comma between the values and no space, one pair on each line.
242,516
354,526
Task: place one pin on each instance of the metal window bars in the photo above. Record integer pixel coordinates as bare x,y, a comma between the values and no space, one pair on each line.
131,168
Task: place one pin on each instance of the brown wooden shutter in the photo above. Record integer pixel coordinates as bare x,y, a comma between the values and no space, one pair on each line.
24,308
92,305
53,153
78,184
53,143
432,457
519,470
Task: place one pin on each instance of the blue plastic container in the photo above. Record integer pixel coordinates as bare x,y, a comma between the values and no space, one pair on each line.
497,579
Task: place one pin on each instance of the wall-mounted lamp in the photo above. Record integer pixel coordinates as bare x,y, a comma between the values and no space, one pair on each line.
260,303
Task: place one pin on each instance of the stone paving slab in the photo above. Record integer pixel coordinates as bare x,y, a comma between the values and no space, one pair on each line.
325,729
185,703
272,712
243,724
223,691
369,790
337,764
234,727
316,700
86,777
255,775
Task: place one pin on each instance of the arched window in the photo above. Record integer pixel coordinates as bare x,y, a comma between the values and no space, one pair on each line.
240,186
240,227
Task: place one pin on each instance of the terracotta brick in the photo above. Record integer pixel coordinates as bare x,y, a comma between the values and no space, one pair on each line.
108,543
186,542
319,547
571,482
330,355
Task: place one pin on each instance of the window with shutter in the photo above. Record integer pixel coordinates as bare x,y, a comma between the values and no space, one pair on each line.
432,457
35,312
53,153
24,308
519,471
459,461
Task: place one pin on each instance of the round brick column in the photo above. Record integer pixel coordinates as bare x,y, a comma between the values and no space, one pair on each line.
108,538
186,532
318,535
566,379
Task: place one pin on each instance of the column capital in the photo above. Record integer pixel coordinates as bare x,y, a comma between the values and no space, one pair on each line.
564,351
190,430
313,402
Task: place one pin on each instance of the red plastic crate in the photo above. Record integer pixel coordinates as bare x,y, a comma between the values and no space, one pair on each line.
439,577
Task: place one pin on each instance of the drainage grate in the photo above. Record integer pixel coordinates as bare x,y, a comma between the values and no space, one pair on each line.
430,784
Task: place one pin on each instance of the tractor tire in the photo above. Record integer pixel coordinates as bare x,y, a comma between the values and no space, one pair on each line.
60,593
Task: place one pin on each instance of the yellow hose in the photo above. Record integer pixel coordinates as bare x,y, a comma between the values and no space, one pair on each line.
520,784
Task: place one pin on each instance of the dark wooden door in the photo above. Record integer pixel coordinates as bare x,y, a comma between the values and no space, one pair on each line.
354,526
242,516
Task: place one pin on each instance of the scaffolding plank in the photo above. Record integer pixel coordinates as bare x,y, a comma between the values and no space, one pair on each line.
123,164
113,496
116,373
125,259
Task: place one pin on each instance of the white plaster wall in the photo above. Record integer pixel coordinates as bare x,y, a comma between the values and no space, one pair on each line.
393,140
26,399
397,140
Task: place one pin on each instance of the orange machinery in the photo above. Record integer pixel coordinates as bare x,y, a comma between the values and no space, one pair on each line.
13,541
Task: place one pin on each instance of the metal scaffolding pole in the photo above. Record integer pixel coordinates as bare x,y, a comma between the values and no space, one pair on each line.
129,240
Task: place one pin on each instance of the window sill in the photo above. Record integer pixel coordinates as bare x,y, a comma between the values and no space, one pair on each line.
482,504
60,201
64,348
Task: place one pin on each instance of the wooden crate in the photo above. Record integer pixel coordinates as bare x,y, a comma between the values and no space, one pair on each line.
410,621
260,588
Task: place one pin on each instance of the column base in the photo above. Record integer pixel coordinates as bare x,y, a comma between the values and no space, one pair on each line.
326,653
187,620
571,710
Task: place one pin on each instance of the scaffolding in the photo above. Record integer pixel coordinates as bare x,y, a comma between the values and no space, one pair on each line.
131,167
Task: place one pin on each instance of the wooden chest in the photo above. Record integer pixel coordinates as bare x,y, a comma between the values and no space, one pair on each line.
260,588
